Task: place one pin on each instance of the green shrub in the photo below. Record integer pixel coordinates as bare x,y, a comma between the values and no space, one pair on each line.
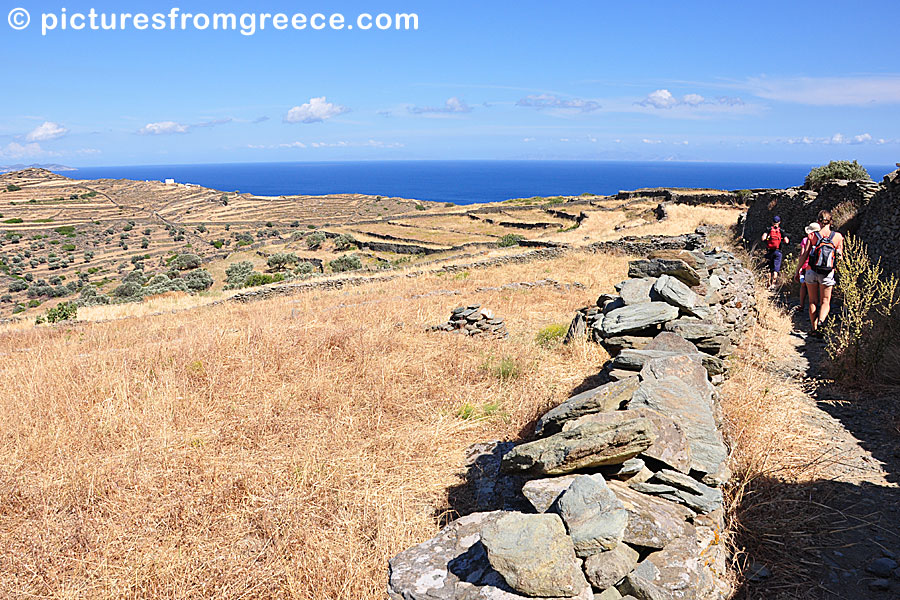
348,262
507,369
65,311
743,195
305,268
12,188
91,297
186,262
421,207
13,221
836,169
68,247
255,279
18,285
237,273
217,244
343,242
869,319
68,230
552,334
279,261
510,239
198,280
314,241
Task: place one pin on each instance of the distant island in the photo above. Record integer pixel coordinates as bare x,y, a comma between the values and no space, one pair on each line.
49,167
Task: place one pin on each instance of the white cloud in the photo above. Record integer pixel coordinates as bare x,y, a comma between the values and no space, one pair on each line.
660,99
46,131
315,111
340,144
528,140
15,150
451,106
664,99
545,101
163,128
838,139
646,141
828,91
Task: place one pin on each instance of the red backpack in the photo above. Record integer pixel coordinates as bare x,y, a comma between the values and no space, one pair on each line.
774,241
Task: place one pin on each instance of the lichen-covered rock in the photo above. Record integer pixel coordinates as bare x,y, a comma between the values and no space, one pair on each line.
608,397
593,515
605,569
587,446
534,555
652,522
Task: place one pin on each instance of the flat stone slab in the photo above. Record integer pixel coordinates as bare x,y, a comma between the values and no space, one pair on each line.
593,515
670,446
686,367
534,555
543,493
695,329
588,446
636,291
693,411
663,266
652,522
637,317
677,293
608,397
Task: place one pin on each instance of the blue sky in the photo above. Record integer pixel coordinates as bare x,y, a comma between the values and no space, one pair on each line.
798,82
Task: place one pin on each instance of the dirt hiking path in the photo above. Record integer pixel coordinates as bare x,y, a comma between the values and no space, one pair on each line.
848,541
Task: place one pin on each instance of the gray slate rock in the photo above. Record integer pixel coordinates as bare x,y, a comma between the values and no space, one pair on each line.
671,342
577,329
453,566
588,446
637,317
606,569
693,411
677,571
622,342
688,491
652,522
663,266
534,555
543,493
677,293
593,515
670,446
686,367
608,397
636,291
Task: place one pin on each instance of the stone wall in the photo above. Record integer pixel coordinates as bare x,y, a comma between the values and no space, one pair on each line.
798,207
619,492
880,226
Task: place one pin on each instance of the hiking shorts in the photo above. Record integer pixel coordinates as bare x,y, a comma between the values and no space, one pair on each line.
774,257
813,278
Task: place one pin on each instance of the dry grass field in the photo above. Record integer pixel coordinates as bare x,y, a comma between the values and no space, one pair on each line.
280,449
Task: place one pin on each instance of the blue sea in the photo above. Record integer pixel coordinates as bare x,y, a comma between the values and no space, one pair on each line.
465,182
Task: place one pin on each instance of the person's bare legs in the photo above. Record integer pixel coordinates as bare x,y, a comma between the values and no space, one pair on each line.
812,290
824,302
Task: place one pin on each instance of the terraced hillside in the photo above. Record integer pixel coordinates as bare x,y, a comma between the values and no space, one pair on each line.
60,236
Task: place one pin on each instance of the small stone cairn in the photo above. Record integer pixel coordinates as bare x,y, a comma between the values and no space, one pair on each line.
473,320
618,494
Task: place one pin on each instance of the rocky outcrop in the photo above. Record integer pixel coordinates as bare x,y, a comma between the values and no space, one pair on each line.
881,222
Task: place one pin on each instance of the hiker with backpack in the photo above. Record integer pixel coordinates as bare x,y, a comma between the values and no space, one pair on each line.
822,254
774,238
805,265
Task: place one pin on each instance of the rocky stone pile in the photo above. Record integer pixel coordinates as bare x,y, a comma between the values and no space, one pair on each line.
618,495
706,297
473,320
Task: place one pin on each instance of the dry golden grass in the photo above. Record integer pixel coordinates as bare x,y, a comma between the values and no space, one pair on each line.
282,449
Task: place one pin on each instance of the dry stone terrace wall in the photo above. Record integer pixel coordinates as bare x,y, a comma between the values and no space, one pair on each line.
866,209
619,493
